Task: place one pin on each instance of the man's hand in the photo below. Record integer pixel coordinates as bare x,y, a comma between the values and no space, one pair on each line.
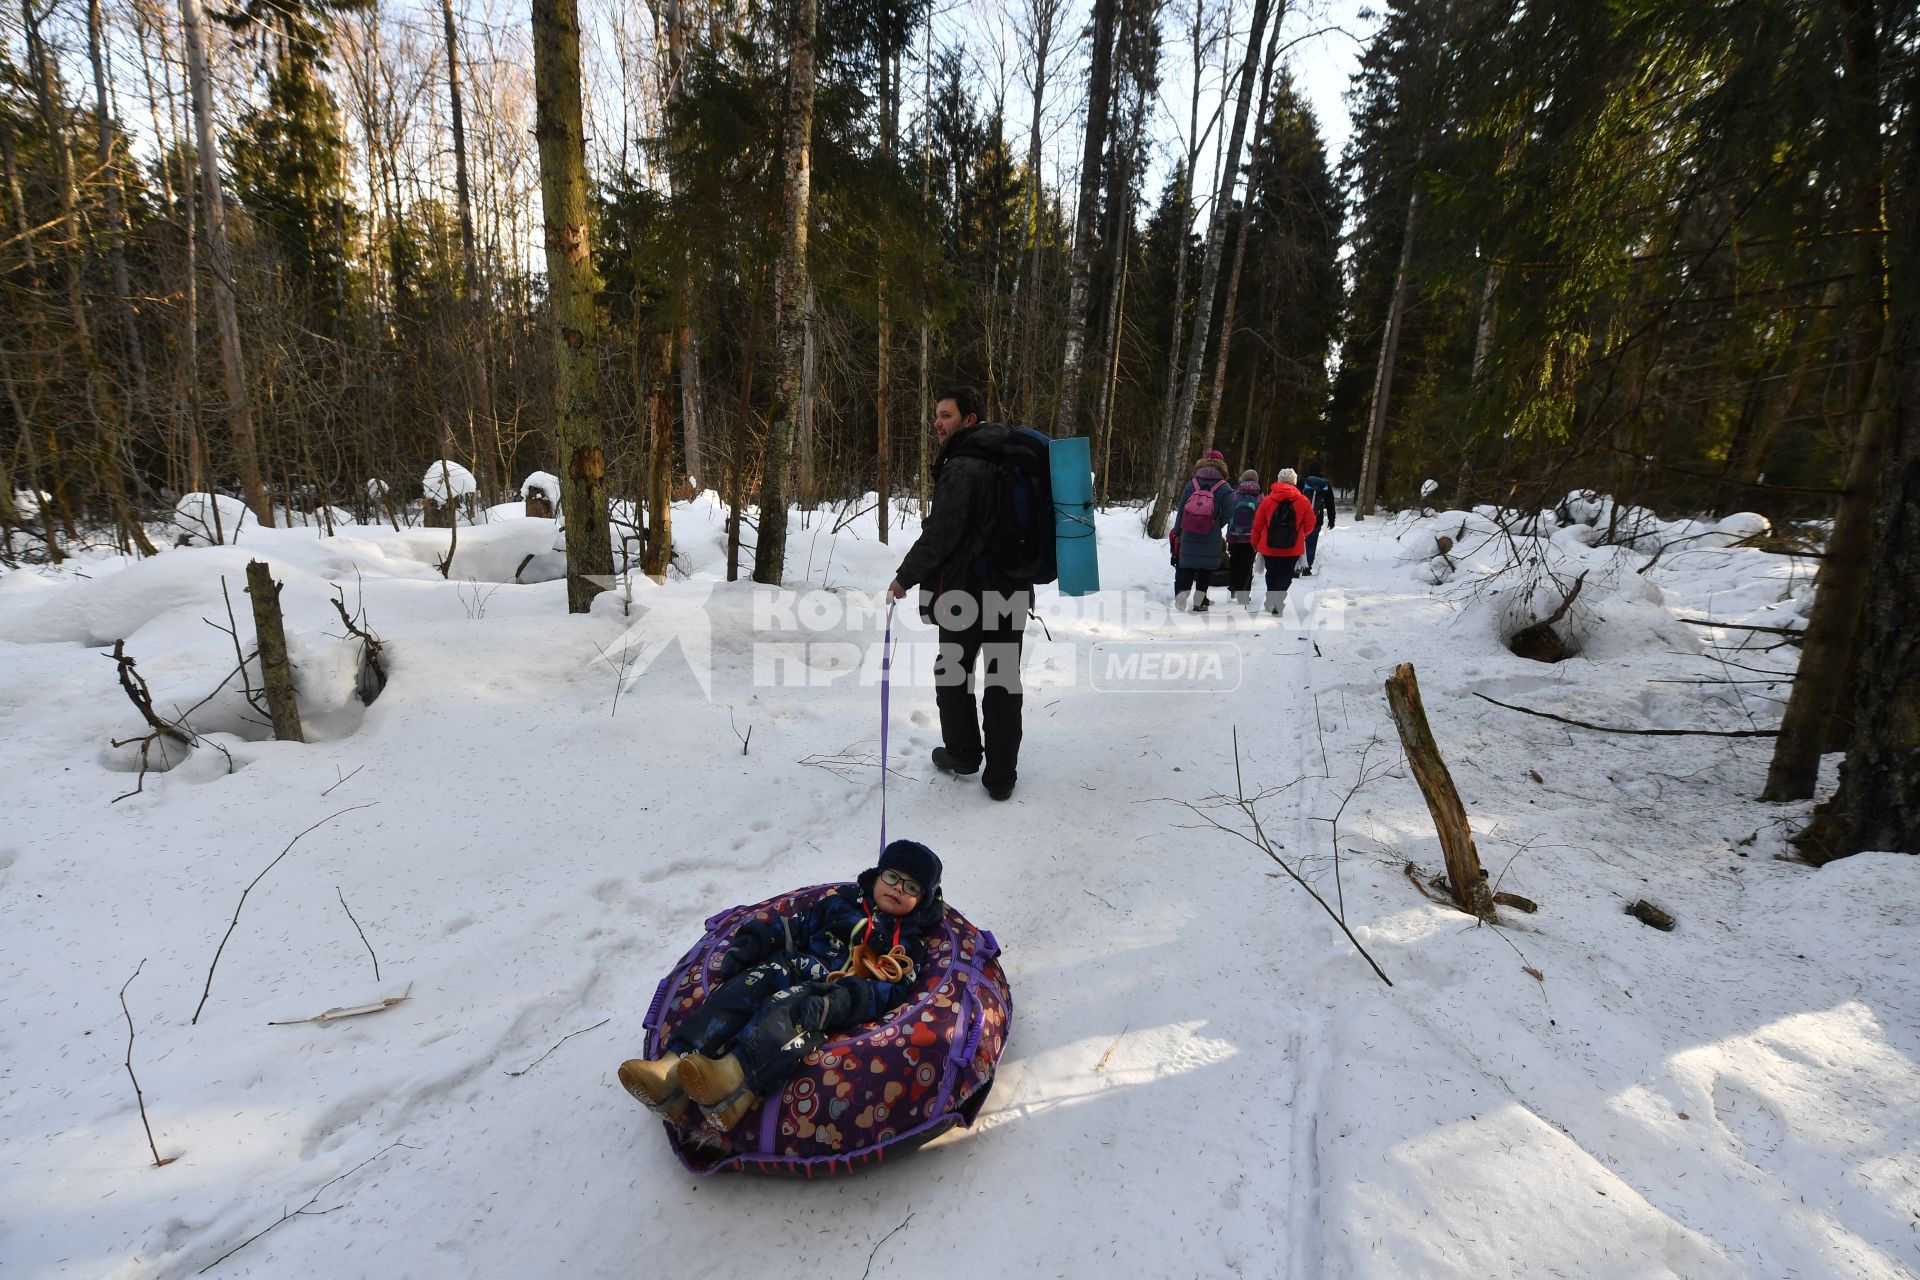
895,591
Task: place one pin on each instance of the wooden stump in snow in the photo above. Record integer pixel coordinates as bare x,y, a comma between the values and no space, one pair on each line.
1465,878
271,636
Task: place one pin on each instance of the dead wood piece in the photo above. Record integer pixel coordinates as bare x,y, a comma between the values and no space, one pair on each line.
371,678
270,636
1647,733
1514,900
1648,914
1471,892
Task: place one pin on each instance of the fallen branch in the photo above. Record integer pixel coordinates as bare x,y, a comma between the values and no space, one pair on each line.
336,786
305,1210
138,1096
231,925
1646,733
557,1043
356,924
349,1011
1742,626
141,696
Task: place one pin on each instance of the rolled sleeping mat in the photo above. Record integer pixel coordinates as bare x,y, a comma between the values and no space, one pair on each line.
1075,547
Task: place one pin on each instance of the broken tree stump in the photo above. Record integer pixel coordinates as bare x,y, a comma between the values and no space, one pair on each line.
1465,879
271,636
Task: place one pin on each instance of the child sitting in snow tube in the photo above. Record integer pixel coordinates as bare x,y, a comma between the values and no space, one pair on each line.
819,1029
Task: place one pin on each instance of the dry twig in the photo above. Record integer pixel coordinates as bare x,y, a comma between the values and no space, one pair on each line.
307,1209
234,923
138,1096
356,924
557,1043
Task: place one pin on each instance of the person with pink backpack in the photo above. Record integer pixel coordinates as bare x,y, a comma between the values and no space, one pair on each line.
1199,525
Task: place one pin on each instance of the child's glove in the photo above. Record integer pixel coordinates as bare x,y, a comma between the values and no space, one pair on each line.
822,1010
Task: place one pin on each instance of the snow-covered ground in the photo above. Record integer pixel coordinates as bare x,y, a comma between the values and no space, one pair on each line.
1203,1078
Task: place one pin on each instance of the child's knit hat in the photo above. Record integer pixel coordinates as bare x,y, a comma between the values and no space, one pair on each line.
911,858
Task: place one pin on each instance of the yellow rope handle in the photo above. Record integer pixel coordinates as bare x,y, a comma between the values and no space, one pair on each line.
895,966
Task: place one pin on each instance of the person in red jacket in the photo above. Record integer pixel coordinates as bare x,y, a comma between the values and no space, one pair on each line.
1280,529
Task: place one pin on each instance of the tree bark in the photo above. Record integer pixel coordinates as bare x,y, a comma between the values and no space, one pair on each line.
1828,674
790,290
246,448
1209,278
1366,493
660,459
1099,90
1239,255
491,484
270,634
107,418
571,289
1465,878
1045,16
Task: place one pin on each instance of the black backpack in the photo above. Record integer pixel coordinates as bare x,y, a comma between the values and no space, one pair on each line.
1020,526
1283,526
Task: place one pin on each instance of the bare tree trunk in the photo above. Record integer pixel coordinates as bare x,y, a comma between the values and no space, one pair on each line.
270,636
660,460
1367,491
106,409
690,419
1045,17
1239,256
1170,398
226,312
1210,276
790,291
9,167
1099,90
491,484
116,211
1877,805
809,479
1820,708
571,288
923,428
1465,878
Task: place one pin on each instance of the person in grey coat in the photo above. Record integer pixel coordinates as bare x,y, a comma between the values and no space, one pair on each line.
1200,523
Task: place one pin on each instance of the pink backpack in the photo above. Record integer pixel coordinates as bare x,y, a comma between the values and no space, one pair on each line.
1197,515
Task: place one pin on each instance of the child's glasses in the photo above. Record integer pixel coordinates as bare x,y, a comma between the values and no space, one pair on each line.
904,884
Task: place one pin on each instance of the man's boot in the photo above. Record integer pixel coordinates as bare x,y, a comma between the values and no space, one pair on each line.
1276,603
656,1083
1243,598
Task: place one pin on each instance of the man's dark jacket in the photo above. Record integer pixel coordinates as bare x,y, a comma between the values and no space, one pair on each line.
950,553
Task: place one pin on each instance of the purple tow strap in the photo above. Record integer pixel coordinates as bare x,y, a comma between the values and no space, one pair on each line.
886,698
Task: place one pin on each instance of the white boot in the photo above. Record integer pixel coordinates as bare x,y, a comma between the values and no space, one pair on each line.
1243,598
1180,602
1276,604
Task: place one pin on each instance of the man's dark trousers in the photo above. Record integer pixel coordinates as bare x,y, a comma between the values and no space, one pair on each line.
980,638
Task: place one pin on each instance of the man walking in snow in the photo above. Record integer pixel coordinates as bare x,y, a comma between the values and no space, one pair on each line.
981,614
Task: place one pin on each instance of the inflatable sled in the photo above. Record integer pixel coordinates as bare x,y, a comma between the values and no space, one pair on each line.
884,1087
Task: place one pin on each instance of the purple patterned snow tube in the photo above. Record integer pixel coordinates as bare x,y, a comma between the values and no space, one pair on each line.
887,1086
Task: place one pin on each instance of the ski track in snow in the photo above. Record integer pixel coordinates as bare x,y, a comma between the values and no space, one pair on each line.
1203,1078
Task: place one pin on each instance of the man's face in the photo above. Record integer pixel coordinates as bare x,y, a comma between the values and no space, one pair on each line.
947,420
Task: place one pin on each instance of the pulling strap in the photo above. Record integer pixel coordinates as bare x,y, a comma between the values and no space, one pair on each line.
886,697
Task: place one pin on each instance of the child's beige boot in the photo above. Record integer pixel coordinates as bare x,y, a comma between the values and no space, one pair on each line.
656,1083
732,1110
711,1081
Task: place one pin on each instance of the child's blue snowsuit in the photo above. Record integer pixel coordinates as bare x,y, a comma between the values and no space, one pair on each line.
751,1014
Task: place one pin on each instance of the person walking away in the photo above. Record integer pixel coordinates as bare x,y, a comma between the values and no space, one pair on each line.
1205,505
1240,553
1319,491
1280,529
981,613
